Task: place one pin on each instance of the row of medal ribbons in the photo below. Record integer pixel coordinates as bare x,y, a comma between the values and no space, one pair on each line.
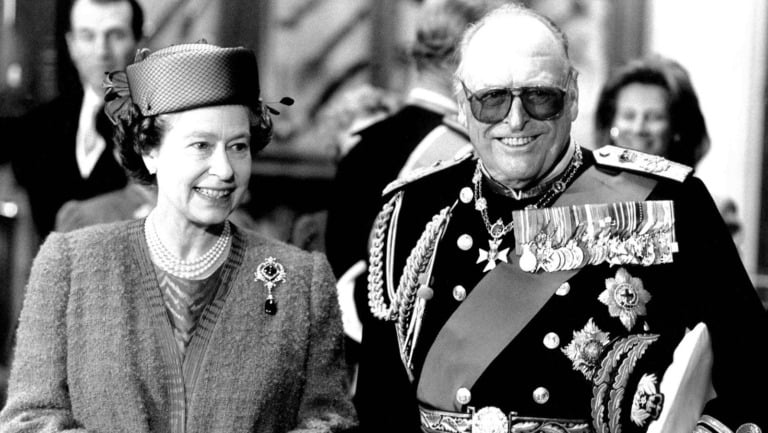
571,237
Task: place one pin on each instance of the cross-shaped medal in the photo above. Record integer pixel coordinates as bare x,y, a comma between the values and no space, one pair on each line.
493,254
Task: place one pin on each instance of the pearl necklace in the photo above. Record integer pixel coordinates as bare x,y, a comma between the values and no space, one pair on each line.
187,269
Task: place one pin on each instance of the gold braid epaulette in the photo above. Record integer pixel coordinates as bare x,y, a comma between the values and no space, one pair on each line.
416,265
401,304
376,302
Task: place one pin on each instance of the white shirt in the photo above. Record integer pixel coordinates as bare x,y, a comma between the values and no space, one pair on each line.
89,144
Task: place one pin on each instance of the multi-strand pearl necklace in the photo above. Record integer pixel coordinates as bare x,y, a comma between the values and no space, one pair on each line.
187,269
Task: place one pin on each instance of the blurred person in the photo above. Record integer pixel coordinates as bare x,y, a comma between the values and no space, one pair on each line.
650,105
352,111
69,138
335,130
384,148
534,285
180,321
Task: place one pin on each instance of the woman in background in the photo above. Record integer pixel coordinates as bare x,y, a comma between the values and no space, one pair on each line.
180,321
650,105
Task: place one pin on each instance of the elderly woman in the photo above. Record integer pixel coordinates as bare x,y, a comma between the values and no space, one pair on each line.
650,105
180,322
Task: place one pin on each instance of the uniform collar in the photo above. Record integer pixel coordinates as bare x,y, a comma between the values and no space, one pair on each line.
539,187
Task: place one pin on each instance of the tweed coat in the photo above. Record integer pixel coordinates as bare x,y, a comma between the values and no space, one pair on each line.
94,349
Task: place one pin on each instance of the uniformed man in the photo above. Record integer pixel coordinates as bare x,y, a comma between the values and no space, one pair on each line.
535,286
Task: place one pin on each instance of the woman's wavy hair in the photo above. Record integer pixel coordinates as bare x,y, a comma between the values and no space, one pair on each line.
136,135
690,140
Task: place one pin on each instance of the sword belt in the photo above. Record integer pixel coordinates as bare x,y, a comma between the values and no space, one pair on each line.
492,420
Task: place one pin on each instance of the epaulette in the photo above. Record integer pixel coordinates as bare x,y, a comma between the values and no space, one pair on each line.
633,160
461,155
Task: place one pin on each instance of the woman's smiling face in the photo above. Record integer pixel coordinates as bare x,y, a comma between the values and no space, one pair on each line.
203,164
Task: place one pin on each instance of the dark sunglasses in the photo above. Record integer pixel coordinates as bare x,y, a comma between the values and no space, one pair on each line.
492,105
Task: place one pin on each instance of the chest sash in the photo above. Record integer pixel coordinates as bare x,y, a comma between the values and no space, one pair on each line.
506,299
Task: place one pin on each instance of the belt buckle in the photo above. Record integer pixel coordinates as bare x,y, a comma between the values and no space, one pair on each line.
489,419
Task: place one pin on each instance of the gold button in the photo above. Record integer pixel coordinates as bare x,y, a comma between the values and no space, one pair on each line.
551,340
748,428
563,289
541,395
464,242
459,293
466,194
425,292
463,396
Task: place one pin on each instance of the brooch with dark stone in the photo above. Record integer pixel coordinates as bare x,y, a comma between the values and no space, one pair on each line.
271,273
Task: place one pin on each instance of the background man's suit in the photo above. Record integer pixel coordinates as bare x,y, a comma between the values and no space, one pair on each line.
44,160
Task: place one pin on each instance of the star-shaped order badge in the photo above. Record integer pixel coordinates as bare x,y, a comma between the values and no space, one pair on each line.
585,348
625,297
493,254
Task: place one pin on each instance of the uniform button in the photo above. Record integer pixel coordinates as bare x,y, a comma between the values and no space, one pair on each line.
464,242
551,340
425,292
541,395
563,289
463,396
459,293
466,194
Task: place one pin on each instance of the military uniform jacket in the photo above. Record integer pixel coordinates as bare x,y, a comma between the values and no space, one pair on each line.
584,355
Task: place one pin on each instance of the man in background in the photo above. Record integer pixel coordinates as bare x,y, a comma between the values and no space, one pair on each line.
63,149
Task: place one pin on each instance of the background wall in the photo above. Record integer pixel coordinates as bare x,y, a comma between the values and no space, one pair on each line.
724,47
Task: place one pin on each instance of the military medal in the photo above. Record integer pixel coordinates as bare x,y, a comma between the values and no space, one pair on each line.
625,297
496,230
585,349
566,238
271,273
493,254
